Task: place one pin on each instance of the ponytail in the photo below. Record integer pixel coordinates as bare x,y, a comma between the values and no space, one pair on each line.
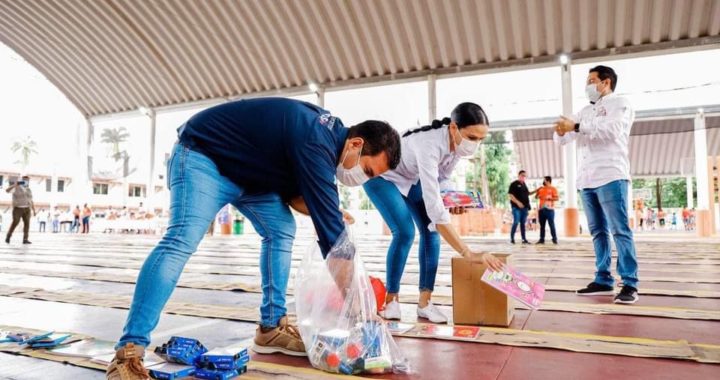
464,115
436,124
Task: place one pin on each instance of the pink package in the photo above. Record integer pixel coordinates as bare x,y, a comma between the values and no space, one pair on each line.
516,285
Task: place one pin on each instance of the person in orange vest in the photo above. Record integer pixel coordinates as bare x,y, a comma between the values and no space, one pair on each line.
547,195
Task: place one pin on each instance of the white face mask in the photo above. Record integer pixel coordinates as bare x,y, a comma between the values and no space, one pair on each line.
466,148
354,176
592,93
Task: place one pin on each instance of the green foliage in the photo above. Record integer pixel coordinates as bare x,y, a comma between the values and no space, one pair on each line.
497,166
673,191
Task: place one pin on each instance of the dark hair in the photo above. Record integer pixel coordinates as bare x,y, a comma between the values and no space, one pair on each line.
464,115
379,137
605,72
521,172
548,179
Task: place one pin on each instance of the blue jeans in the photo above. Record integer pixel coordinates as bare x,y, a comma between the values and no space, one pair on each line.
547,215
606,211
197,192
399,212
519,217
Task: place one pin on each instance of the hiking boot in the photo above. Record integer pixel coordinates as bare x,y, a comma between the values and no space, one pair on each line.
284,339
627,296
595,289
128,364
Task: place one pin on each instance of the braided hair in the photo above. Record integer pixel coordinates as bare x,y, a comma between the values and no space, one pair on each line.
464,115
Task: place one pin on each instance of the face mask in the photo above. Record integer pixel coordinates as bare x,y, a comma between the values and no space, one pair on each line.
592,93
354,176
466,148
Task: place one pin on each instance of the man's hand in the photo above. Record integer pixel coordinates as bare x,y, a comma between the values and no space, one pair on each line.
347,217
564,125
342,271
457,210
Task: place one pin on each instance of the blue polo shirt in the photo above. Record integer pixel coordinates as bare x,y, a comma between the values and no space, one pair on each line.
276,145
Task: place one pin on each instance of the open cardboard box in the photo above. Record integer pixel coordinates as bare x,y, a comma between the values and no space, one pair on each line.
474,301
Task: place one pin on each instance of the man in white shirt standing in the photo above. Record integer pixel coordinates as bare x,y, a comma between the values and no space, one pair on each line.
602,132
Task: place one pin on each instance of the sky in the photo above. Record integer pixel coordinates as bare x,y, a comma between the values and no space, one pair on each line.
31,106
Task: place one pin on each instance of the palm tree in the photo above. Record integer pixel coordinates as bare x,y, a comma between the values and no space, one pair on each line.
115,137
24,148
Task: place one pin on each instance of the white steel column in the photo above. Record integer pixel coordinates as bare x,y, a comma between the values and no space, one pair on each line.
150,186
432,97
703,216
572,226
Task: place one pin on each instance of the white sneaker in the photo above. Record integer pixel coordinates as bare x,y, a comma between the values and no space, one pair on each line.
392,311
432,313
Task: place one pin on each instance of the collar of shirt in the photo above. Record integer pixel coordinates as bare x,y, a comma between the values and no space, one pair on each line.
341,135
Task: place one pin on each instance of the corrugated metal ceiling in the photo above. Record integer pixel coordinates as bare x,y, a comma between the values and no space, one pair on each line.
110,56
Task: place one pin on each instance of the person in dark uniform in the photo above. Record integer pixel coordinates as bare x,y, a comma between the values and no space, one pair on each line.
520,204
263,156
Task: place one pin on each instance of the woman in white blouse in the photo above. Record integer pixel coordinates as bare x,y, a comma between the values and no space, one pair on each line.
411,192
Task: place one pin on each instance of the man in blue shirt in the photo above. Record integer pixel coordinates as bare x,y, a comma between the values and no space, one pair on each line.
262,156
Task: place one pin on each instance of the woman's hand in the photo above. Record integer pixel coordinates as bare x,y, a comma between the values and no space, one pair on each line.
488,259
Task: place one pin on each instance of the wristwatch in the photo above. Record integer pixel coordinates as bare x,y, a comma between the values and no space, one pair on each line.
577,127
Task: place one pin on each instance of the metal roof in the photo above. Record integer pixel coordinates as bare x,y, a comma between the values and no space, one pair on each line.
109,56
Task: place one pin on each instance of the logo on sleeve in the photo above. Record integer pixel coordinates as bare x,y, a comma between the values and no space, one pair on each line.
327,120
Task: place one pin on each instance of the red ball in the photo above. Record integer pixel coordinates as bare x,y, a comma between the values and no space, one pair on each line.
333,360
353,351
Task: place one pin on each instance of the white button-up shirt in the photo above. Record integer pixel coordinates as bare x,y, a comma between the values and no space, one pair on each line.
602,141
426,157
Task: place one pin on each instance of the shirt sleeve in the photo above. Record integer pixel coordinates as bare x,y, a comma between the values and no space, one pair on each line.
428,171
315,172
617,121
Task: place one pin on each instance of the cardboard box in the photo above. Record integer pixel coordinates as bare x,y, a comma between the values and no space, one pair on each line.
475,302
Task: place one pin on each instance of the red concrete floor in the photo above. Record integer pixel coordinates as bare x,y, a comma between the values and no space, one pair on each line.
624,326
645,300
542,364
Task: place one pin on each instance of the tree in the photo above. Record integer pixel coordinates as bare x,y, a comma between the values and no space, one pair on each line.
25,148
672,191
497,168
115,137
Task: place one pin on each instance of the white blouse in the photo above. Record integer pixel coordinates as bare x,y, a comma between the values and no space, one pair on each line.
426,157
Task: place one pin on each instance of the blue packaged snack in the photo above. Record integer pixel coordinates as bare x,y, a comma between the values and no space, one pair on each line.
202,373
224,358
170,371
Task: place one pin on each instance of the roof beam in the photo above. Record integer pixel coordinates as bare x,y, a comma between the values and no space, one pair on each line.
549,8
533,27
438,26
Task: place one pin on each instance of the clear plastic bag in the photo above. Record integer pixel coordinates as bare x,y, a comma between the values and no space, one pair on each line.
337,315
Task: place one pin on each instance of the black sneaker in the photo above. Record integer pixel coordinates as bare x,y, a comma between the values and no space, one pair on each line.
595,289
512,241
7,239
628,296
555,242
525,242
540,242
27,242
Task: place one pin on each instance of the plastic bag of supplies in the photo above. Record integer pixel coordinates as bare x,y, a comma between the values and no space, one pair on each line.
337,315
